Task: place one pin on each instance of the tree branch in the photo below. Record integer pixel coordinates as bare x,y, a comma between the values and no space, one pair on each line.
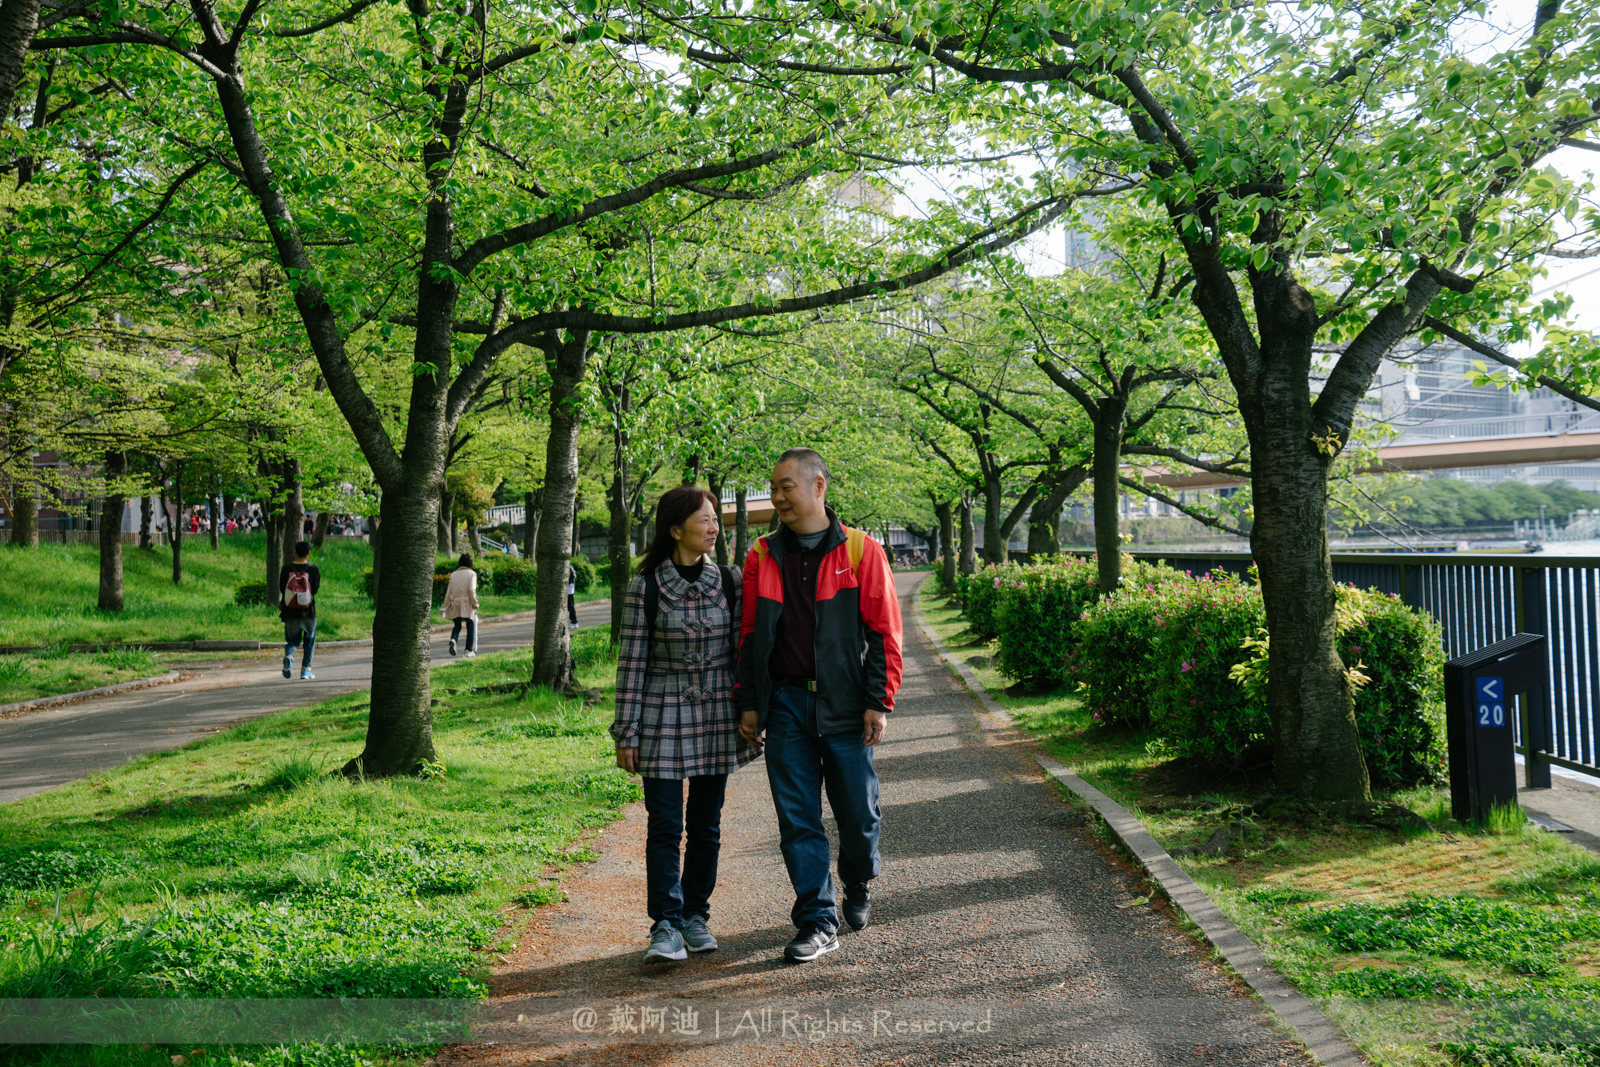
1199,516
1555,385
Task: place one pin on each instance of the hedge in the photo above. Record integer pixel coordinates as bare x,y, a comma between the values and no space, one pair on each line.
250,593
1185,659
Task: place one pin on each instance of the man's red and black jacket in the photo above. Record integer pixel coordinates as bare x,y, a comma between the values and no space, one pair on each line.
857,636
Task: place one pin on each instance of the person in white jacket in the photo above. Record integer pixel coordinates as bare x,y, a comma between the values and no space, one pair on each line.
461,604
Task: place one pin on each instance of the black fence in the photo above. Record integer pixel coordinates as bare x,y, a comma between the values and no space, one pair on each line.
1481,599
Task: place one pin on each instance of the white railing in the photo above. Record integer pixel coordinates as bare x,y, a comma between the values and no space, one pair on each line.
1547,425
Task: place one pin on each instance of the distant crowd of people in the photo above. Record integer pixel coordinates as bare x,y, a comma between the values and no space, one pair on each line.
246,517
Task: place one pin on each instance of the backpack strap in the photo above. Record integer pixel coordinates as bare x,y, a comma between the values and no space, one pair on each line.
735,621
856,543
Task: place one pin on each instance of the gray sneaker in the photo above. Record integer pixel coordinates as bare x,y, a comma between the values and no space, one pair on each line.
665,943
697,937
288,667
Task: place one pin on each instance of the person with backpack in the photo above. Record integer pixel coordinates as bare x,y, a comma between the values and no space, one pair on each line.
675,718
819,664
572,597
298,583
461,604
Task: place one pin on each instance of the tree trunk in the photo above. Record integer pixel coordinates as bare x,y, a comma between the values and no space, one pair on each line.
741,525
111,507
19,21
400,724
145,507
530,523
319,532
716,484
273,522
294,509
217,519
552,652
1108,492
447,532
177,525
969,535
577,523
1044,525
994,541
375,539
947,540
618,535
474,544
25,516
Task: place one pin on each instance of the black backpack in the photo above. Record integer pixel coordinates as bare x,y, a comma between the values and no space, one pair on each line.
652,608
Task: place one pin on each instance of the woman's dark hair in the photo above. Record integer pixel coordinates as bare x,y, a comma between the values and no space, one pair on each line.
466,561
676,507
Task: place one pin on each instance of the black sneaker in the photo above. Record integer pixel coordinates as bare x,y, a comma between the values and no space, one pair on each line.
857,905
812,941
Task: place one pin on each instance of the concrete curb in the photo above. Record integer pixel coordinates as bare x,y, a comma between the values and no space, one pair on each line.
1303,1018
104,690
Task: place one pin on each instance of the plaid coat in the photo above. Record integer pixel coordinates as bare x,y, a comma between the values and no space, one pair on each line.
678,707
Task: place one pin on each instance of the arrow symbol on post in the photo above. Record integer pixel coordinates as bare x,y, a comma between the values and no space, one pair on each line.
1489,687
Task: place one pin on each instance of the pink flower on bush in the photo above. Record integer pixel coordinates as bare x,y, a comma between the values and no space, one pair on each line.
997,583
1188,665
1193,701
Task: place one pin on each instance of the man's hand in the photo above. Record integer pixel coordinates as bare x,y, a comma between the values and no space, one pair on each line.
628,759
875,723
748,728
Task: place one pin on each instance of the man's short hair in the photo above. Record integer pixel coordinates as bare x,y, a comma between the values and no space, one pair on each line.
302,548
810,462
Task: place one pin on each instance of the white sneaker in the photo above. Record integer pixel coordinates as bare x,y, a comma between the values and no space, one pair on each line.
471,654
452,646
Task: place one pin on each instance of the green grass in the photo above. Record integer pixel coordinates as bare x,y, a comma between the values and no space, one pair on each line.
1371,922
48,596
240,866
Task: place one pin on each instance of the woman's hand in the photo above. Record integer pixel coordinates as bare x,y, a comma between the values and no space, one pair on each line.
748,728
628,759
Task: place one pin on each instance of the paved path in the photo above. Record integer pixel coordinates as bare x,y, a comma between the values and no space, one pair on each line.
994,898
1572,800
44,749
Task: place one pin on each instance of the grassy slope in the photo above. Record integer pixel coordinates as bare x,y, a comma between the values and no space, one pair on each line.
47,597
266,877
1285,874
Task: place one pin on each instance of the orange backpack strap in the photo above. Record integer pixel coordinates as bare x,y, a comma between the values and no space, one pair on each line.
856,543
761,547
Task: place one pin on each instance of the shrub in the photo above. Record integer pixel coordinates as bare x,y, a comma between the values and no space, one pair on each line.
588,574
979,593
1186,658
510,576
253,593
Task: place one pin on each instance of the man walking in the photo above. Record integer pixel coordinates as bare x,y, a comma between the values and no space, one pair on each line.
819,663
298,583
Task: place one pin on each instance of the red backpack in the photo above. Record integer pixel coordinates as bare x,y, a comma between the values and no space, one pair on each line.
297,591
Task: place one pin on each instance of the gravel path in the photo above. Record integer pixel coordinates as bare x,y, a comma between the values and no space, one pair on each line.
995,904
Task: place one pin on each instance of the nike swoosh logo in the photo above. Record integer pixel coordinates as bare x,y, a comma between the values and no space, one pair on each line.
845,571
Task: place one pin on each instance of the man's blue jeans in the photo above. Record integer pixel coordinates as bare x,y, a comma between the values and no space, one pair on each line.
294,632
799,767
670,897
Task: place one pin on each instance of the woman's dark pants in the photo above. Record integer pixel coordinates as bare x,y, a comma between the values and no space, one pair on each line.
671,897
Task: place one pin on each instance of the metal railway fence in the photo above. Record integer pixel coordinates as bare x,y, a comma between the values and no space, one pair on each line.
1479,600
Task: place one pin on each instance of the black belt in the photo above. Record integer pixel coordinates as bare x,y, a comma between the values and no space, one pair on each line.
785,681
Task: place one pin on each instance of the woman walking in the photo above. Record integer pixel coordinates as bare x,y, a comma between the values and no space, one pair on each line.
461,604
675,718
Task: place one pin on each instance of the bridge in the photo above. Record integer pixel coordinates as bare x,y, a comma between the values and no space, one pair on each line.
1510,441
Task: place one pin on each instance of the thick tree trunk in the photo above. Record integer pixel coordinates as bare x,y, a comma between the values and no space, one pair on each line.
474,544
577,523
294,509
1044,525
19,21
969,535
618,536
994,540
1108,492
375,539
741,525
552,651
25,517
319,532
947,540
400,724
111,533
146,505
177,525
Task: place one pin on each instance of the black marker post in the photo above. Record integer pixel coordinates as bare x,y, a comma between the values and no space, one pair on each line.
1479,723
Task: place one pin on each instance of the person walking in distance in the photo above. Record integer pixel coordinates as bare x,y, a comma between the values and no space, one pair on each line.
461,604
572,597
819,664
675,718
298,583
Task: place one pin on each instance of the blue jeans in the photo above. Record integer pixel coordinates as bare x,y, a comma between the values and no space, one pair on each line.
799,767
295,631
472,633
672,898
